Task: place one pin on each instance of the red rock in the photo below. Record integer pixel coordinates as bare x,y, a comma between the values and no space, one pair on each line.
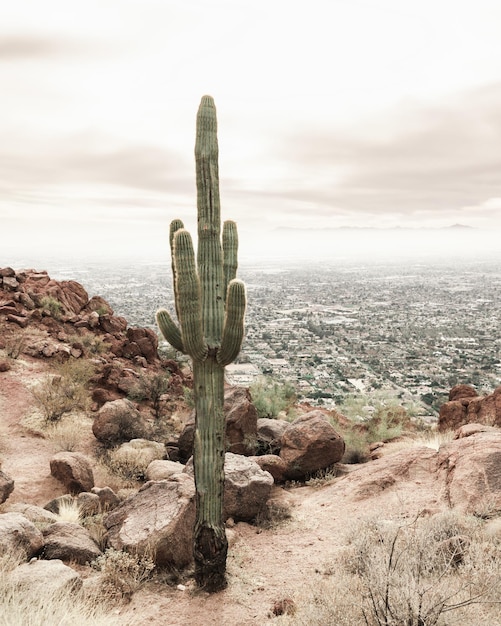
309,444
462,391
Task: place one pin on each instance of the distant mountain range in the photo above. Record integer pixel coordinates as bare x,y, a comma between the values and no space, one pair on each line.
455,227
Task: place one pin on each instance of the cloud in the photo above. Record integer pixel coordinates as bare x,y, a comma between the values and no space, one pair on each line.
424,161
108,169
24,47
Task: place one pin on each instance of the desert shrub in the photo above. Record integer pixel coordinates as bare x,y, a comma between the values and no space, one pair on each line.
65,390
15,344
128,466
151,387
92,344
410,574
52,306
123,573
24,607
69,511
270,397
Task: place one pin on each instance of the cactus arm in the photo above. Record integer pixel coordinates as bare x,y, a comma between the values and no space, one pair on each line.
187,293
169,329
175,225
233,330
230,249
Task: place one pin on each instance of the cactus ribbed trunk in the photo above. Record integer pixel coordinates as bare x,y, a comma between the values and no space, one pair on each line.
210,306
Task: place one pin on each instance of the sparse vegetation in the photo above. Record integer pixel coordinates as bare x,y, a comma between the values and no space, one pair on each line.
123,573
51,306
23,606
152,387
412,572
65,390
271,397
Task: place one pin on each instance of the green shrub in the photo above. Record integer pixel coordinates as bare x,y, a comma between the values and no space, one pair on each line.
271,397
151,387
52,306
65,390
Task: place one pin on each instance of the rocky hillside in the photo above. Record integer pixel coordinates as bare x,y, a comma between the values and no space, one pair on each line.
291,505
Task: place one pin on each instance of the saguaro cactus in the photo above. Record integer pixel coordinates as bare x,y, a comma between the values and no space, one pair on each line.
210,307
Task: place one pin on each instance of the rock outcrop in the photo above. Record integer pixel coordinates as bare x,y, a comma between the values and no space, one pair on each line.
465,406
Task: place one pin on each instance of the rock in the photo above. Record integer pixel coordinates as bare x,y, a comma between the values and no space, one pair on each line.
6,486
57,505
99,305
45,578
472,429
88,503
10,283
118,421
469,409
160,516
241,425
163,469
35,514
5,366
273,464
246,486
241,421
74,470
18,534
107,498
310,444
141,450
142,342
112,324
471,472
269,434
69,542
462,391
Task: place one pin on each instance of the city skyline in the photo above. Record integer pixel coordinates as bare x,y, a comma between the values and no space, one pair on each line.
331,115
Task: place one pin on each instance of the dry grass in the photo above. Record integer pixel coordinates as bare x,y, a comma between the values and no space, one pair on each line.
24,607
122,574
423,572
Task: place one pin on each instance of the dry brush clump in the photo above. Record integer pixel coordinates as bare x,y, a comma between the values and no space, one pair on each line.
65,390
422,572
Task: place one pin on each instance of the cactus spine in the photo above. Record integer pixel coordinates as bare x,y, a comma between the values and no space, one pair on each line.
210,307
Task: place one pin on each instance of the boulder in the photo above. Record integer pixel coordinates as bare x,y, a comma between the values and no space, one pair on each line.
310,444
141,342
44,578
35,514
246,486
462,391
18,534
88,503
160,516
141,451
269,434
6,486
119,421
272,464
163,469
470,469
107,498
467,430
241,421
69,542
241,425
74,470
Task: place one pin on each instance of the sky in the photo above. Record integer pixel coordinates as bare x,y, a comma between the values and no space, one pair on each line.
332,113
